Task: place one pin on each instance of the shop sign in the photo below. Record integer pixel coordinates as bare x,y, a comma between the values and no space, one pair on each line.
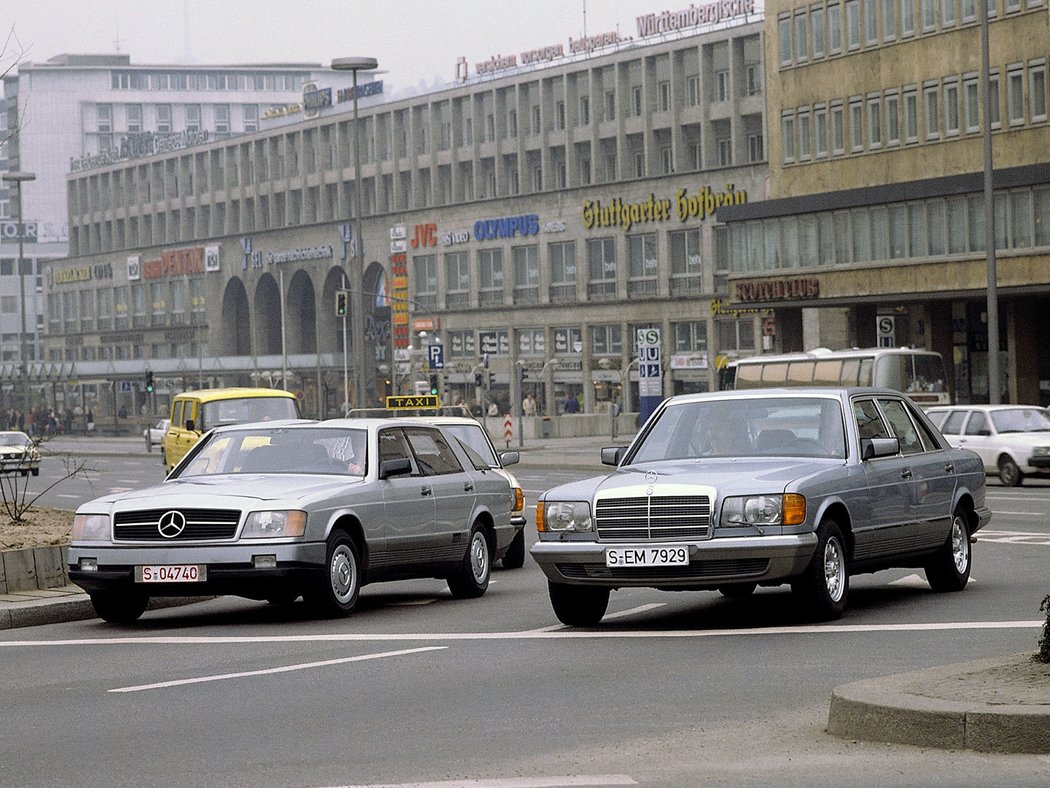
778,289
399,300
454,237
65,276
701,205
694,16
720,308
373,88
211,258
424,235
506,227
175,262
9,232
689,361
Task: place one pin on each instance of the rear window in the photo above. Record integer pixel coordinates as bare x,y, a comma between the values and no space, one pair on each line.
239,411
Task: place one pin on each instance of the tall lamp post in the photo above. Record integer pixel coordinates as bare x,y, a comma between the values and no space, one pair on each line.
357,301
18,178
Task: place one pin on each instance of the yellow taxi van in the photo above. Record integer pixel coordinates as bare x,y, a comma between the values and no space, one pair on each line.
195,412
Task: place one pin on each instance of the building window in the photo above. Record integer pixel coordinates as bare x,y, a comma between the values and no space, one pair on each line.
531,342
490,272
606,340
787,125
526,274
753,75
820,126
874,122
816,20
222,118
852,24
601,268
725,152
690,337
834,29
585,110
425,279
889,20
134,116
755,148
639,165
784,38
561,258
722,85
666,160
972,104
559,115
933,111
163,118
801,37
948,13
537,121
193,117
993,95
803,136
641,264
610,105
665,96
838,130
1015,95
969,10
636,100
911,116
251,117
1037,90
736,334
871,25
907,18
928,10
893,119
951,108
512,123
692,90
457,280
685,261
856,124
696,157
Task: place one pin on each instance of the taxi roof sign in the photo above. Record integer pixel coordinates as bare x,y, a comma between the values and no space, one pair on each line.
413,401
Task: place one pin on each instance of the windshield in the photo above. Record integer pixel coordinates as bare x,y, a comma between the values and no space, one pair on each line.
1021,420
774,427
313,450
14,439
246,409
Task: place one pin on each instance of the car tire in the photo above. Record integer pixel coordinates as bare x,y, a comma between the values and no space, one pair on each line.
335,593
35,471
1009,474
514,558
472,579
119,607
738,590
823,587
949,569
578,606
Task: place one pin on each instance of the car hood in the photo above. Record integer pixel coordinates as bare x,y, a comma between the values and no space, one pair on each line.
229,490
725,475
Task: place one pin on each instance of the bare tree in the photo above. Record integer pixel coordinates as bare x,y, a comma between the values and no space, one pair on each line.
15,497
12,53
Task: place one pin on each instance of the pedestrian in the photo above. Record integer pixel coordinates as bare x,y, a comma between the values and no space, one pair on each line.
493,408
571,405
528,405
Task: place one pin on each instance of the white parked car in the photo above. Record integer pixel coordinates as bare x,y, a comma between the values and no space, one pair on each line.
155,434
19,454
1012,440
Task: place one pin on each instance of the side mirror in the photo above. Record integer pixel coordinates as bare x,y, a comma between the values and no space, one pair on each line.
398,467
870,448
509,458
611,455
190,425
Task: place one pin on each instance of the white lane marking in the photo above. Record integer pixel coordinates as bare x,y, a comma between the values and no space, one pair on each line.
1012,537
568,634
633,610
66,495
516,782
1008,513
917,581
271,671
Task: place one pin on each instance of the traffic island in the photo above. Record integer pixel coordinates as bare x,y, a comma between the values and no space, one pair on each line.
997,705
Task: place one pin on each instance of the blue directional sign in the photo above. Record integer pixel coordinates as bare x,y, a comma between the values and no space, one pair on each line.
436,356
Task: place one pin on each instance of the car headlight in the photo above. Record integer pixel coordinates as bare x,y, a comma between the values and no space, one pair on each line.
747,510
90,528
1041,451
563,516
275,524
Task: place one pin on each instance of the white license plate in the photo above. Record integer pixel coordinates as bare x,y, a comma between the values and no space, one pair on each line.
171,573
666,555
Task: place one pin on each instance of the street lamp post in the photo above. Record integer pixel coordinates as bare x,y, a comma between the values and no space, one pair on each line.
18,178
357,301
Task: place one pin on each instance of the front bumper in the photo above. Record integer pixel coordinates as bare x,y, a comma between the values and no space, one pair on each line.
712,563
231,569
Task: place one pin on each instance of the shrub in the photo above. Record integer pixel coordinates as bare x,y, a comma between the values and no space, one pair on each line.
1043,654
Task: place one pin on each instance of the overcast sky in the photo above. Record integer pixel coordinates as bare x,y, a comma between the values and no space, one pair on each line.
414,40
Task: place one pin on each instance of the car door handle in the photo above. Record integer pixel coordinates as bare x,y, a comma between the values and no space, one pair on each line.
426,491
949,467
906,473
468,486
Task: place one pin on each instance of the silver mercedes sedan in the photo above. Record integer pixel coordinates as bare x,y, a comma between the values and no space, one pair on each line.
281,509
733,490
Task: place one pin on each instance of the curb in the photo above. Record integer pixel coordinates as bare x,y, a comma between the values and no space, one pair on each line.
900,709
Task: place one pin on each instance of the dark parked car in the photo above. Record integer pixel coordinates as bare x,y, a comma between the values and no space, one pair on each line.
281,509
733,490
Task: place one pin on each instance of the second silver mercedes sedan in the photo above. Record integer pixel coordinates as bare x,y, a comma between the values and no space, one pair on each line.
281,509
738,489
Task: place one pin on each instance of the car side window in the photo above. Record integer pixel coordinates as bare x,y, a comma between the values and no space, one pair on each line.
903,426
176,416
434,455
392,446
869,420
953,424
978,424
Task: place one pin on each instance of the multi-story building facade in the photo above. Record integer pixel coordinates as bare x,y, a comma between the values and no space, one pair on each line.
76,112
531,216
875,232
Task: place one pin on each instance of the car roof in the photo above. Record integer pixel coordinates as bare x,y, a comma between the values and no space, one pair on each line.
787,391
209,395
946,408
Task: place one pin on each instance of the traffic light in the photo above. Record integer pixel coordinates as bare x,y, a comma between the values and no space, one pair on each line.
341,299
492,379
478,379
149,382
523,374
434,384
